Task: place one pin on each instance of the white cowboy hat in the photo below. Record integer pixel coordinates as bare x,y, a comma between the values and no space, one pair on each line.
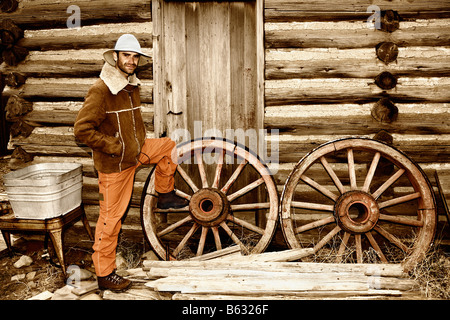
127,42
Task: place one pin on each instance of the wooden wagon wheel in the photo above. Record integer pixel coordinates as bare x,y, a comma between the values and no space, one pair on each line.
232,200
359,197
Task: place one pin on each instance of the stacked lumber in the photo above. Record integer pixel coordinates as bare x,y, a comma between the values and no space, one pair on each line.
220,279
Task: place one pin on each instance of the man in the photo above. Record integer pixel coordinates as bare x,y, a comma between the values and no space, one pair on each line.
110,123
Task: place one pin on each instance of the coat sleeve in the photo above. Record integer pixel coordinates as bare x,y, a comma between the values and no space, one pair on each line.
89,118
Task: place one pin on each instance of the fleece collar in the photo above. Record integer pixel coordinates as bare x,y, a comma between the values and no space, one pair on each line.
115,81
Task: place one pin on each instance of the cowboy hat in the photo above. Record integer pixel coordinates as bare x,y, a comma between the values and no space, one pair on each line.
126,42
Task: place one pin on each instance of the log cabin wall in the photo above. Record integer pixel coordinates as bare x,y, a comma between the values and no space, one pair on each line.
329,75
321,67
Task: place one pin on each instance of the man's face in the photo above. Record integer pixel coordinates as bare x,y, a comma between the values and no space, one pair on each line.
127,61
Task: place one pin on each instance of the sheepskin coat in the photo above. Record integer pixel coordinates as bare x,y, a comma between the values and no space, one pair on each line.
110,121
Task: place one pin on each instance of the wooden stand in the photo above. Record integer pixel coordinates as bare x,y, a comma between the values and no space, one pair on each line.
54,227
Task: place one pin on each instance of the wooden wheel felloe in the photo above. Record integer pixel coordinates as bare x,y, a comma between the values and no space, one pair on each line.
359,200
232,201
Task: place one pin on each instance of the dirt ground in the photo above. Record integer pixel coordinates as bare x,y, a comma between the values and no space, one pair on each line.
41,275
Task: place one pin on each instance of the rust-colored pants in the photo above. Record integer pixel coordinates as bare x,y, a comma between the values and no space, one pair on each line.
115,193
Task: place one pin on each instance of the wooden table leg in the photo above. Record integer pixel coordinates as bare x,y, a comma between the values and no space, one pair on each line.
87,226
7,237
56,236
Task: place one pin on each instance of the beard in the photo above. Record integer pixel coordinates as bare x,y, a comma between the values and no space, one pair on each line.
128,70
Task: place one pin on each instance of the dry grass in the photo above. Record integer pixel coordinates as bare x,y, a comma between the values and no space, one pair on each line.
130,250
433,275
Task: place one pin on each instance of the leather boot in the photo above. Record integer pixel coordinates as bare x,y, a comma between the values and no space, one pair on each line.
113,282
171,201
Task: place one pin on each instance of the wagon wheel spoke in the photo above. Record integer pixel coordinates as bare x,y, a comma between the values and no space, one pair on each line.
185,239
218,172
351,169
375,245
201,168
371,173
312,206
187,178
327,238
250,206
234,237
358,244
399,200
245,224
201,243
233,177
217,240
385,201
342,247
332,175
402,220
388,183
393,239
326,192
245,189
182,194
315,224
174,226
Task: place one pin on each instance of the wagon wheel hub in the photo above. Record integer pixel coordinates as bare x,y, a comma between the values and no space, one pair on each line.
356,212
209,207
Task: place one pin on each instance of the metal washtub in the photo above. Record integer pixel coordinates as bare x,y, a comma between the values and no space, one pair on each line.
46,190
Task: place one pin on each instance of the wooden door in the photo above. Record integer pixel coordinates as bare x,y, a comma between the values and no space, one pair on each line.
208,67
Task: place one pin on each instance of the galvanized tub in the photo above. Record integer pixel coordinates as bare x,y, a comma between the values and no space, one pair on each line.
45,190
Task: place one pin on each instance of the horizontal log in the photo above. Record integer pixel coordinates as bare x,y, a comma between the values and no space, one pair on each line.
277,256
357,120
306,295
86,37
256,272
355,63
429,153
336,90
344,36
283,10
67,117
250,285
63,64
66,88
37,13
395,270
222,253
55,141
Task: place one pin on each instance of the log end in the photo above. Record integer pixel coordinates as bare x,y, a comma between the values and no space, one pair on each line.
387,52
8,6
386,80
384,111
390,21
